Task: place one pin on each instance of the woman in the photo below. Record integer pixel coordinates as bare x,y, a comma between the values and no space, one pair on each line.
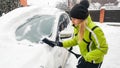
87,35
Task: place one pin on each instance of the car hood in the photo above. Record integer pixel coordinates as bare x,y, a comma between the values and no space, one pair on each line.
21,55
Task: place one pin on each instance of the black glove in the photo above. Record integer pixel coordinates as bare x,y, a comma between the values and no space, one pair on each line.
52,43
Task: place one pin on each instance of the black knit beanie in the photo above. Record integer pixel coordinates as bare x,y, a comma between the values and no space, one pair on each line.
80,11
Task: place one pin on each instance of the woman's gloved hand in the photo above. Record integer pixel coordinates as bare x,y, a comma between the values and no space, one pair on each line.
52,43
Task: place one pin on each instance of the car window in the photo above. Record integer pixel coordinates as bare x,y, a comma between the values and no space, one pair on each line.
35,28
64,20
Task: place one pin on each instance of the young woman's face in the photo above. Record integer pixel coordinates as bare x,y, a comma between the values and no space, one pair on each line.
76,22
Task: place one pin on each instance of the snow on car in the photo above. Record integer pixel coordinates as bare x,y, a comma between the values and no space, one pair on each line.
21,31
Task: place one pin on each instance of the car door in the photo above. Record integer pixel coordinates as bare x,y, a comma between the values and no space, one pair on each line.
61,52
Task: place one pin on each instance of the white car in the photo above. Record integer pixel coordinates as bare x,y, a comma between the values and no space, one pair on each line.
21,31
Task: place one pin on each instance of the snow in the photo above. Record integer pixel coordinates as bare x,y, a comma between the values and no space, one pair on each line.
60,4
30,56
45,3
23,55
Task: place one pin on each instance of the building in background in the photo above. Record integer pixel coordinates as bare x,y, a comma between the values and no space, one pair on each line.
97,4
102,2
23,2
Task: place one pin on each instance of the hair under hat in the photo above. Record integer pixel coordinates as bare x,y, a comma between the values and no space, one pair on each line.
80,11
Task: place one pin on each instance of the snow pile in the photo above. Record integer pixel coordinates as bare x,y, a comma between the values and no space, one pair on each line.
61,4
24,54
45,3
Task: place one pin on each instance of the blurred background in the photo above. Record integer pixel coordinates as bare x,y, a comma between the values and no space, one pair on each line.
111,7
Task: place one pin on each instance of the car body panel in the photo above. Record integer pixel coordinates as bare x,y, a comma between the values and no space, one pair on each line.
25,54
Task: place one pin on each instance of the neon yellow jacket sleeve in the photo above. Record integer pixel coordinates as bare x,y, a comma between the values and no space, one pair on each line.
70,42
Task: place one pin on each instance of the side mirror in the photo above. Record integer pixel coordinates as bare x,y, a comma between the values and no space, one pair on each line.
65,35
67,32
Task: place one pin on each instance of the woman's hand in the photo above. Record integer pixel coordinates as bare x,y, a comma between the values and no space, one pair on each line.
52,43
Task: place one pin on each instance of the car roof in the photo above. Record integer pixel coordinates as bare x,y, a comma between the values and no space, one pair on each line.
30,10
12,20
51,11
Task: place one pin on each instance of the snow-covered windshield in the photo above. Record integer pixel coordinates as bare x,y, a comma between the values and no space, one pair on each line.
35,28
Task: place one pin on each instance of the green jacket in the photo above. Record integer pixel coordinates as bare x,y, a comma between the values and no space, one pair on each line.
93,47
